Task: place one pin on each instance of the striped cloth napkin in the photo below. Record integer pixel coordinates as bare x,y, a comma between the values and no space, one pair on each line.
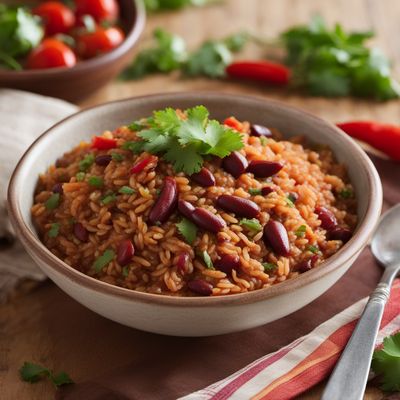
302,364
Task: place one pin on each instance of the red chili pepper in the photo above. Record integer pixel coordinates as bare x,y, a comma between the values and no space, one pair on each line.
265,71
102,143
141,165
384,137
234,123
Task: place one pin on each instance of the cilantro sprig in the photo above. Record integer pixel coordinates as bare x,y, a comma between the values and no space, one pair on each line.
386,363
185,143
188,230
32,373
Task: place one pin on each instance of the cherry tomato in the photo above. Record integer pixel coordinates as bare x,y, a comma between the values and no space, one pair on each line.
102,40
57,17
51,53
100,10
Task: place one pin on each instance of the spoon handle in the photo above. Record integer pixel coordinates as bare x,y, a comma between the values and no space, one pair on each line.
349,378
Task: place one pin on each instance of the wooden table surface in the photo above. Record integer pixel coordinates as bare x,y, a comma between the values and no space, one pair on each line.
27,328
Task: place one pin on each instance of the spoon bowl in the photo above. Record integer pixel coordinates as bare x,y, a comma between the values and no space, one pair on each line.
385,245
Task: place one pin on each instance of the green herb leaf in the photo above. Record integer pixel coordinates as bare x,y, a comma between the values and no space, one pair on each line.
346,193
313,249
86,163
188,230
134,147
268,267
136,126
53,201
251,224
96,181
54,229
60,379
263,141
126,190
289,202
167,54
30,372
162,5
301,231
254,191
386,363
80,176
125,271
108,198
207,260
103,260
117,157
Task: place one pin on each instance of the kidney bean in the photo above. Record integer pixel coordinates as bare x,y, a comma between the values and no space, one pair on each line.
80,232
103,160
182,263
58,188
125,252
340,233
266,190
328,220
141,165
238,205
227,263
166,202
204,177
275,236
207,220
200,286
186,208
264,168
303,266
314,260
235,164
260,130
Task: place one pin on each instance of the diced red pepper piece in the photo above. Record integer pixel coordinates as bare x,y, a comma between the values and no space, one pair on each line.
265,71
103,143
141,165
384,137
234,123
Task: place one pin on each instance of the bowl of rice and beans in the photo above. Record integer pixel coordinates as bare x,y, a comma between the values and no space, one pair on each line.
195,206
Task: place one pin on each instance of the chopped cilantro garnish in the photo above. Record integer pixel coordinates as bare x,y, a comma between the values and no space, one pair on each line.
251,224
207,260
125,271
32,373
109,198
80,176
268,267
386,363
53,201
96,181
103,260
185,143
87,162
300,231
188,230
289,202
254,191
134,147
136,126
346,193
117,157
313,249
263,141
126,190
54,229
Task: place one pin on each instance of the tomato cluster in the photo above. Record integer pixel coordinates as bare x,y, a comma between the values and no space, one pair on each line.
85,32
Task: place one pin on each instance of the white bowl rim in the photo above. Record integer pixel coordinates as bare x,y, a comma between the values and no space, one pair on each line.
356,243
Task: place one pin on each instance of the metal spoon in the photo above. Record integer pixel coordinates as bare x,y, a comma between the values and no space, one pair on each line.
349,378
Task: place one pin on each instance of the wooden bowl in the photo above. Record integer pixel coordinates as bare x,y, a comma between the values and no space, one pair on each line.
194,316
86,77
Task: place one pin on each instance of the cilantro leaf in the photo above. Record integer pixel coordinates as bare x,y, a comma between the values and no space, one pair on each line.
223,140
96,181
30,372
346,193
251,224
52,202
103,260
54,229
62,378
86,162
184,159
134,147
386,363
268,267
126,190
207,260
254,191
188,230
300,231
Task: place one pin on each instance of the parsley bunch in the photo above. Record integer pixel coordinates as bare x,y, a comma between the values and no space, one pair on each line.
186,142
332,62
386,363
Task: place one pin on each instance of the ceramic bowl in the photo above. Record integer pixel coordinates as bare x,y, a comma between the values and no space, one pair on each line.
193,316
78,82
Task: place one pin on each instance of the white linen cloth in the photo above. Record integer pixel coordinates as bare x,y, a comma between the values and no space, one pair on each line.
23,117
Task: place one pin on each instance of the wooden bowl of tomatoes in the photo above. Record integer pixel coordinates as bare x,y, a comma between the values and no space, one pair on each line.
67,51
